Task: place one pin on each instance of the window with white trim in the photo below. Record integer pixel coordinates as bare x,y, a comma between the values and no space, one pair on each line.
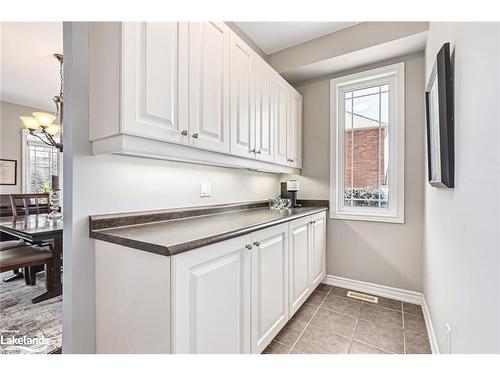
40,162
367,145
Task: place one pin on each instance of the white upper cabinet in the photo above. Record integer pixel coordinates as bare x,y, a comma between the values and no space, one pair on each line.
241,83
263,111
280,114
269,285
190,91
155,80
294,146
211,299
209,85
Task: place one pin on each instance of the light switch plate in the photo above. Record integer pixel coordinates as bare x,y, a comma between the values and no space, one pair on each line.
205,189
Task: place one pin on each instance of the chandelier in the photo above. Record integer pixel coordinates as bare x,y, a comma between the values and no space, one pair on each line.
41,124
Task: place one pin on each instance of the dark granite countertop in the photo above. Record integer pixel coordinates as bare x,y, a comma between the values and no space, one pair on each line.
174,236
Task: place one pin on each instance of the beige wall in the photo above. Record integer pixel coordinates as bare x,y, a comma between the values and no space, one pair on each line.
461,260
387,254
11,139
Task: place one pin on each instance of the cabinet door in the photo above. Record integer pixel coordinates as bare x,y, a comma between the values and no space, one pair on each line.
318,248
241,80
300,262
294,147
211,299
154,87
280,112
263,117
209,85
269,285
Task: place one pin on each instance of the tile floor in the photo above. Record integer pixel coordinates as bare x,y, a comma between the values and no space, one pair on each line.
329,322
19,317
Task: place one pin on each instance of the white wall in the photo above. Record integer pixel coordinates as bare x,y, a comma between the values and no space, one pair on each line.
461,258
381,253
11,139
107,184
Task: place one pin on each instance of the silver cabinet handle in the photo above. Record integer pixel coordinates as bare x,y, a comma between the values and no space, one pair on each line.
249,247
256,243
258,152
184,132
252,150
195,135
290,160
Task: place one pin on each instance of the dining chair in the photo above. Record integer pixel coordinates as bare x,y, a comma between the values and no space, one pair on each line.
26,204
34,203
27,256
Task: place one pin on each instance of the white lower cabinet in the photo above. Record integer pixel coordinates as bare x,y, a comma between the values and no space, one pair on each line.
211,299
318,248
235,296
269,285
300,262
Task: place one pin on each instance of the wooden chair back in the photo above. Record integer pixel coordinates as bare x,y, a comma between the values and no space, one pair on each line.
35,203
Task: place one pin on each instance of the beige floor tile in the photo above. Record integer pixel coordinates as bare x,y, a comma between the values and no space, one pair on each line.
343,305
334,322
319,341
416,344
276,348
380,336
360,348
316,298
290,332
339,291
381,316
411,308
306,312
415,324
388,303
324,288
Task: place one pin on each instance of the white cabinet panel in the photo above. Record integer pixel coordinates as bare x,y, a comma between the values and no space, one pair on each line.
294,147
300,262
209,85
263,116
318,248
155,80
269,285
280,114
211,298
193,92
241,87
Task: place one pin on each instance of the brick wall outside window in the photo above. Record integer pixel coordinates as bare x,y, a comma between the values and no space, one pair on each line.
366,158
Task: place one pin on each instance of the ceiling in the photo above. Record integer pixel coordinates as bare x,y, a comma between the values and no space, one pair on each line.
29,72
272,37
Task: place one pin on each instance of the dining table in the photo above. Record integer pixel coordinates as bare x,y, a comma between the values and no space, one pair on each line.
40,229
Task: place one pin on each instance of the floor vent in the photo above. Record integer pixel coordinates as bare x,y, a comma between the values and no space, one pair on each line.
362,297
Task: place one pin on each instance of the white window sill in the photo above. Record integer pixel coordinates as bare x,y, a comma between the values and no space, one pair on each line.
364,217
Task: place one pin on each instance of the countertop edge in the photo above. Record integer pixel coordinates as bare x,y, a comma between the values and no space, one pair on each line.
197,243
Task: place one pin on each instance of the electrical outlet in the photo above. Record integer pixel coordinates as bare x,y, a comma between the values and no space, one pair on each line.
205,189
448,337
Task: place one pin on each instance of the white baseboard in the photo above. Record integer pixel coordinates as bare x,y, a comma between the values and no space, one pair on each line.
430,327
388,292
375,289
